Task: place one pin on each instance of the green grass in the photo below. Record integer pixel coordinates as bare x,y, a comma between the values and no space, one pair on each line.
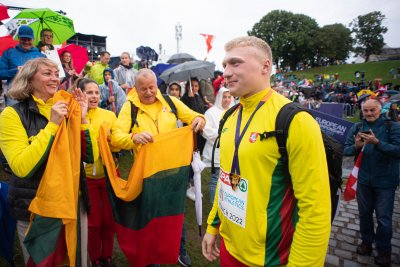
372,70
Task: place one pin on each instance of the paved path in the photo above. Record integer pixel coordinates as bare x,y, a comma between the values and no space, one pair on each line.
345,236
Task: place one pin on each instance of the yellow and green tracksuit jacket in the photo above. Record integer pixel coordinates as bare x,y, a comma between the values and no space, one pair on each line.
267,220
96,117
24,153
155,118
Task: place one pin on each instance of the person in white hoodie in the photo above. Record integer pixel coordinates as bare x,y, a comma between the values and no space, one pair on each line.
223,101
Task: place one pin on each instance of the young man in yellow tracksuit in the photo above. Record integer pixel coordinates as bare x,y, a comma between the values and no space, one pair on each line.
266,220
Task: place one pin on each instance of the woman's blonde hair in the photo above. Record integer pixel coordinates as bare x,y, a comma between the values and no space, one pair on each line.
21,87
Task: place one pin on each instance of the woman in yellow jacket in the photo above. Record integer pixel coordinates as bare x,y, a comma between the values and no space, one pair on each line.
100,218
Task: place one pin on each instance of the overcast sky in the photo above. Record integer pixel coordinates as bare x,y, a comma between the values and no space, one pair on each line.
129,24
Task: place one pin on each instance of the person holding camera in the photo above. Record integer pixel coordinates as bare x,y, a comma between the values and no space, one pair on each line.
378,178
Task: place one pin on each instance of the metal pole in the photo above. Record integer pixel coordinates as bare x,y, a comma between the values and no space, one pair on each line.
178,35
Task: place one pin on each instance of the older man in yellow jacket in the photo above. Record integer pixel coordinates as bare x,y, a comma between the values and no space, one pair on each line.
154,116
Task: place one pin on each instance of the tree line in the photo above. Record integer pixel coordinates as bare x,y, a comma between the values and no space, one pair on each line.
297,38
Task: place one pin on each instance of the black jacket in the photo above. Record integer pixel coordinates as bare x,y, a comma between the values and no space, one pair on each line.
22,191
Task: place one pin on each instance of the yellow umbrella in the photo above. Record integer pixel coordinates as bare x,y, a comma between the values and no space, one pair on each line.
364,91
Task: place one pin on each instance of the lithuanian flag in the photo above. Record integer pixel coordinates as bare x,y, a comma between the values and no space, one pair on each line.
52,235
148,207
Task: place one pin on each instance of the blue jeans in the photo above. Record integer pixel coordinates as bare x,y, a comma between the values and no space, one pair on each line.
382,201
213,184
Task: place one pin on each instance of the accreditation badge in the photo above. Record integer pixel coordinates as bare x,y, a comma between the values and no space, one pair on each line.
233,202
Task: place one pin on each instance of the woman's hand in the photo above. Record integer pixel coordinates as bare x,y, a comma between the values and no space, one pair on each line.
143,138
83,101
190,93
198,124
58,112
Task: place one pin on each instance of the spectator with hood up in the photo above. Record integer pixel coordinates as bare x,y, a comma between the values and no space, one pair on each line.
223,101
112,97
174,89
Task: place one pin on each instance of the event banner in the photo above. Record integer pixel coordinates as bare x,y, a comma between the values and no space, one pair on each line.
334,109
333,126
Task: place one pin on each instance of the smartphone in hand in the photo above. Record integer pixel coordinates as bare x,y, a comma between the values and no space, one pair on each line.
365,132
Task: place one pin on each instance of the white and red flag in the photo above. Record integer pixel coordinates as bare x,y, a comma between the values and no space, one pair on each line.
209,40
351,185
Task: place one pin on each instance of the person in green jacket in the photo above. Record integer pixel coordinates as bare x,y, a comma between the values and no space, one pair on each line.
96,71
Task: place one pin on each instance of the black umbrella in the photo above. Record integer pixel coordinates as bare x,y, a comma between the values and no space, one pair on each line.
146,53
307,90
391,92
180,58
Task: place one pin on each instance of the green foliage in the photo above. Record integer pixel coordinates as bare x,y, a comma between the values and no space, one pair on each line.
291,36
369,32
334,43
297,38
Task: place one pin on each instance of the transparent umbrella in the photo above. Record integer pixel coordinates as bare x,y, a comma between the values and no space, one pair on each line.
191,69
198,166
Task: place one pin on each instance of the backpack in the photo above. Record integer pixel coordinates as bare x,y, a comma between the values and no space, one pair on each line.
333,149
134,110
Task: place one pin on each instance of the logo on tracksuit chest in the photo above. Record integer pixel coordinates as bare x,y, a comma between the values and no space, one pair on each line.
253,137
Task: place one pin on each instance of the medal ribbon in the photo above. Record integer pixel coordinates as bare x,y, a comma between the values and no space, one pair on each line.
235,169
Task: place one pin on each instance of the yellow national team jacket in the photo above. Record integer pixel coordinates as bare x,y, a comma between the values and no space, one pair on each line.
155,118
96,117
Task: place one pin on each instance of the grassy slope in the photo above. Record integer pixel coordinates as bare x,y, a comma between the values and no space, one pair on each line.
372,70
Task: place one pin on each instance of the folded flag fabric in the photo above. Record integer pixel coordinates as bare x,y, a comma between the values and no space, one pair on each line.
52,234
148,206
351,185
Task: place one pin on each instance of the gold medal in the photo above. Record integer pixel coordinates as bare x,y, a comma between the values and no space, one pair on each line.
234,179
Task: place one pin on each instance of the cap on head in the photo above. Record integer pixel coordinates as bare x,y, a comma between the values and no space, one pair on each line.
25,32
